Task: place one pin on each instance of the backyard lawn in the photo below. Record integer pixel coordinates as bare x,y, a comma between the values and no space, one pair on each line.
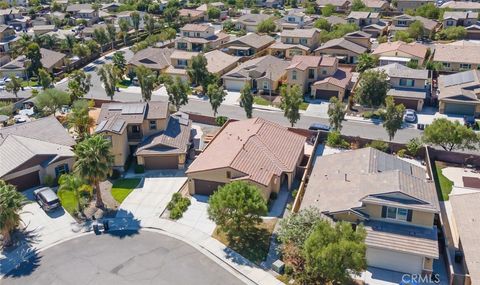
443,182
254,245
122,187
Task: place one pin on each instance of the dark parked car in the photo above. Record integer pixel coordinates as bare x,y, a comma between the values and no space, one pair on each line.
46,198
319,127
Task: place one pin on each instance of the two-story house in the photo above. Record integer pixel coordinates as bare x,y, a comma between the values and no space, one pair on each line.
404,5
408,86
390,197
292,20
248,45
379,6
7,35
83,11
401,52
200,37
179,62
319,76
348,48
402,22
459,93
148,131
461,6
219,5
458,18
295,42
262,73
341,6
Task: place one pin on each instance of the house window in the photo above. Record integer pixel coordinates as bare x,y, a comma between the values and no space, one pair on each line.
311,73
153,125
197,35
291,19
135,129
303,41
294,75
182,62
289,40
397,213
229,174
185,34
407,82
182,46
61,169
324,72
446,64
450,23
465,66
265,84
402,23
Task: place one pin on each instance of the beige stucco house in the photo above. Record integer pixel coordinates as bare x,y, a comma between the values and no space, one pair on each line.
393,200
404,5
458,56
348,48
459,93
254,150
401,52
295,42
157,139
30,152
200,37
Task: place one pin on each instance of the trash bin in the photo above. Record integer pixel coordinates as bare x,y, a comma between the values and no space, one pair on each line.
96,229
105,226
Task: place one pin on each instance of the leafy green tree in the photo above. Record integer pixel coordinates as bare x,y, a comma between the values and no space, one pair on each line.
228,25
334,253
20,46
71,183
79,119
170,13
35,57
246,98
416,30
149,23
135,16
78,84
44,78
94,162
452,33
14,85
101,37
450,135
197,71
403,36
69,42
216,95
266,26
358,5
49,41
112,34
146,80
337,31
124,28
366,61
372,89
336,113
328,10
430,11
177,91
81,50
237,207
322,24
393,117
290,103
109,78
413,146
93,46
51,100
213,13
11,203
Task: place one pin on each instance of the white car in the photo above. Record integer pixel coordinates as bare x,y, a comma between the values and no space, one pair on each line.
410,116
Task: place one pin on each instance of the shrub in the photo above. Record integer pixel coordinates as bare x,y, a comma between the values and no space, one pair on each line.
177,206
335,139
413,146
273,196
139,168
288,270
380,145
221,120
402,152
49,180
294,193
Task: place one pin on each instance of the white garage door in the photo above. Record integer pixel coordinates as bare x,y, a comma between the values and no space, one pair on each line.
234,85
401,262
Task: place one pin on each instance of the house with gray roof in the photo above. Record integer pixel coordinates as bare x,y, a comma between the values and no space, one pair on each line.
249,22
52,61
248,45
348,48
390,197
459,93
146,130
402,22
28,156
408,86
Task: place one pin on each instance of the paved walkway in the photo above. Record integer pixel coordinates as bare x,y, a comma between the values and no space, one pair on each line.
196,215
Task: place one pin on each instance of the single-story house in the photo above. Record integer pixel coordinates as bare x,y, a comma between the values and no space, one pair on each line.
459,93
400,52
248,45
157,59
249,22
52,61
457,56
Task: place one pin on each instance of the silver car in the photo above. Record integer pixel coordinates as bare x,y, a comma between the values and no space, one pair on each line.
46,198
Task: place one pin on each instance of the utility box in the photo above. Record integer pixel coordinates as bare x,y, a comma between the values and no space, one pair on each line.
278,266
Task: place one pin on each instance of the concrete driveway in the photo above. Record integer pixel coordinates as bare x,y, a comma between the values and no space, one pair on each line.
317,108
151,199
196,215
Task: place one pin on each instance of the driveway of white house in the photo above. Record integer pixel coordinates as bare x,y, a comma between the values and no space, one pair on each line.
150,200
196,215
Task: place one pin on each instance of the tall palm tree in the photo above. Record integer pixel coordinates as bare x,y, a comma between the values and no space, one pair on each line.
21,45
79,118
11,202
94,162
69,42
72,183
49,41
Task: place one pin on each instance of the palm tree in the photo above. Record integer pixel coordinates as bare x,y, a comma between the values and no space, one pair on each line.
109,77
73,183
49,41
11,202
94,162
79,118
21,45
69,42
14,85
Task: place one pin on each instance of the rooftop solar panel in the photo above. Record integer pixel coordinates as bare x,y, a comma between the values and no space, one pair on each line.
100,126
459,78
118,125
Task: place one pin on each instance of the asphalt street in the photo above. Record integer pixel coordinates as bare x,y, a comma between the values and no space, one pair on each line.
145,258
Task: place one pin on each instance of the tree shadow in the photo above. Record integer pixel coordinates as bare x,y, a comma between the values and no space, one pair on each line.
252,244
123,225
30,261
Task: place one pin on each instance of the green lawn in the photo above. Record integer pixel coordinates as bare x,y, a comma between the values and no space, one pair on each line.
29,83
122,187
304,106
68,200
261,101
443,182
